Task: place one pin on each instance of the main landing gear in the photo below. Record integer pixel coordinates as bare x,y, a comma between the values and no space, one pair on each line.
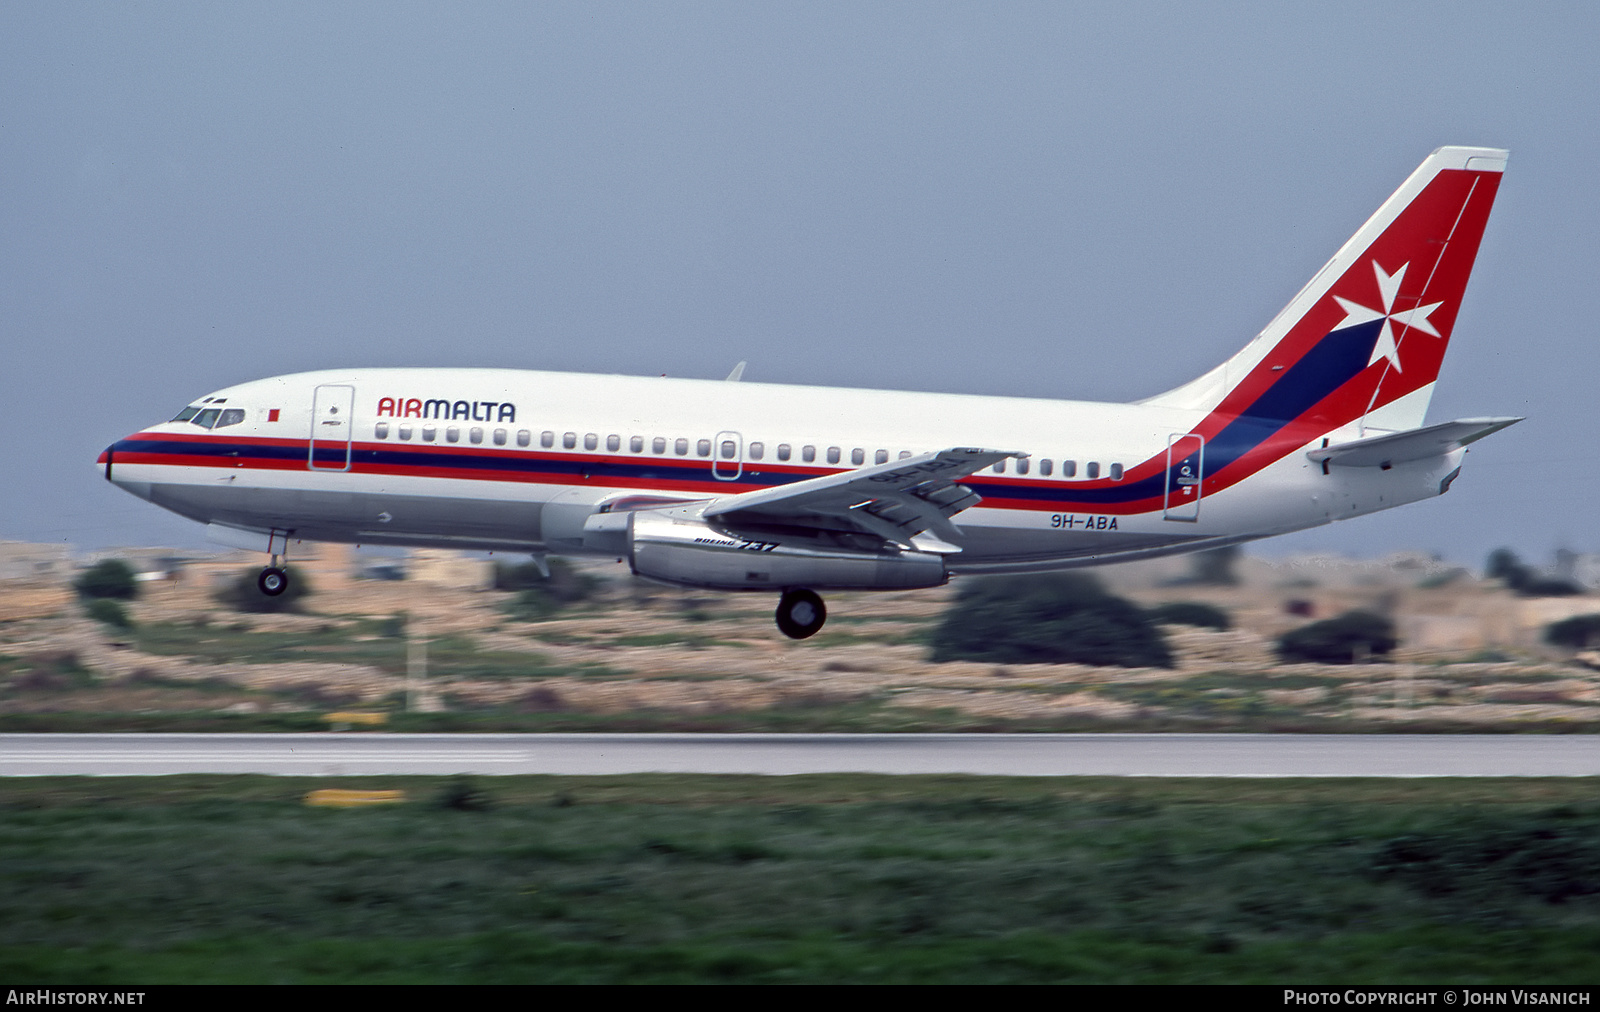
800,613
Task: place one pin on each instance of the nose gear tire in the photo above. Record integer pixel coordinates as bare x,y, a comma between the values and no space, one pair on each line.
273,581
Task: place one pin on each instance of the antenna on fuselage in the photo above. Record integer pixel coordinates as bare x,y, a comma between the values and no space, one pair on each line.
738,373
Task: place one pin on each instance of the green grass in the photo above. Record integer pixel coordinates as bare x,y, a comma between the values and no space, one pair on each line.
817,878
48,672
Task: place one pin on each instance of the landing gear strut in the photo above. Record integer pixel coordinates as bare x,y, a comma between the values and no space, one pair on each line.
800,613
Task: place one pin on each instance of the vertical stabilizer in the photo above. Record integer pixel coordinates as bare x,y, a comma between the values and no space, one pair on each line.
1362,342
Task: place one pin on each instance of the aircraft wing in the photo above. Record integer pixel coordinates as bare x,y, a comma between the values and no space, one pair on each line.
1415,444
896,501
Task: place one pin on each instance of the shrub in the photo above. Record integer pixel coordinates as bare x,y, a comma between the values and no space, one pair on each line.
1578,632
244,595
1193,613
1441,579
104,609
540,597
1548,586
1052,618
1214,566
463,794
1503,565
1553,855
1345,639
109,578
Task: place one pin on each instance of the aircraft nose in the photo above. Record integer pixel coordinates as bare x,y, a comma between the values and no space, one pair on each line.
106,464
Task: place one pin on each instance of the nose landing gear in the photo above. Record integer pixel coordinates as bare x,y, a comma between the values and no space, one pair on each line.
273,581
800,613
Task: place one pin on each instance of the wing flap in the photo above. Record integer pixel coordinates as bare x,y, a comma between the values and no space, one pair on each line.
1415,444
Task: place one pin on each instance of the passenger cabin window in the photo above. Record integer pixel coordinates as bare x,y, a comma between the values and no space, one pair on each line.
453,434
783,451
728,449
613,443
680,446
833,455
475,434
381,430
499,437
881,457
547,439
999,468
1094,469
636,444
1045,467
808,453
858,456
1069,469
1116,472
904,454
569,440
524,437
590,441
427,433
757,450
405,432
658,445
1022,465
703,447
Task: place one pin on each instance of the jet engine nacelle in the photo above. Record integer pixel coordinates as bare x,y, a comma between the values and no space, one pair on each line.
691,553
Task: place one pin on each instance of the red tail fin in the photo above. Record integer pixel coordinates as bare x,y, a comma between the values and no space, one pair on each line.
1363,341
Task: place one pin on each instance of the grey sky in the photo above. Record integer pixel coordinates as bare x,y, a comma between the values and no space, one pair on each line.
1095,201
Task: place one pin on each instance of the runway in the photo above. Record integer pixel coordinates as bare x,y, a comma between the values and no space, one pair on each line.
1127,755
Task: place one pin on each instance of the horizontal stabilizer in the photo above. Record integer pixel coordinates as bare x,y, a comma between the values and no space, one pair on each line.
1415,444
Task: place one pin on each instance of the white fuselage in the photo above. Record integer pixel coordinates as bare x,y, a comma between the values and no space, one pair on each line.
516,460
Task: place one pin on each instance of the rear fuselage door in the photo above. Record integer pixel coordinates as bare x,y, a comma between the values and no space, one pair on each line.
1186,459
332,427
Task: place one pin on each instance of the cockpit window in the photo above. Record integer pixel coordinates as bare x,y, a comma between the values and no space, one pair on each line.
210,418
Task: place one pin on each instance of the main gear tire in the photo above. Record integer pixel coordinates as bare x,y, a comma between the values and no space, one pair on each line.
801,613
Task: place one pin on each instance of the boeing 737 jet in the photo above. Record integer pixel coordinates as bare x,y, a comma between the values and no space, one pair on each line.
793,490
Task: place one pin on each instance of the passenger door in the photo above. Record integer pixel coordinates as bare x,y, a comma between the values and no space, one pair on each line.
332,427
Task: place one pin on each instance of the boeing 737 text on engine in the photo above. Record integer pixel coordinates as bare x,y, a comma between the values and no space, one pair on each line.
792,490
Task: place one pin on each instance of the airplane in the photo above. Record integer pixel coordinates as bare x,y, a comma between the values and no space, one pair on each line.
731,485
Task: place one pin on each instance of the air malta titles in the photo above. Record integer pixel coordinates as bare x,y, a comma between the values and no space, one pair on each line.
434,407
